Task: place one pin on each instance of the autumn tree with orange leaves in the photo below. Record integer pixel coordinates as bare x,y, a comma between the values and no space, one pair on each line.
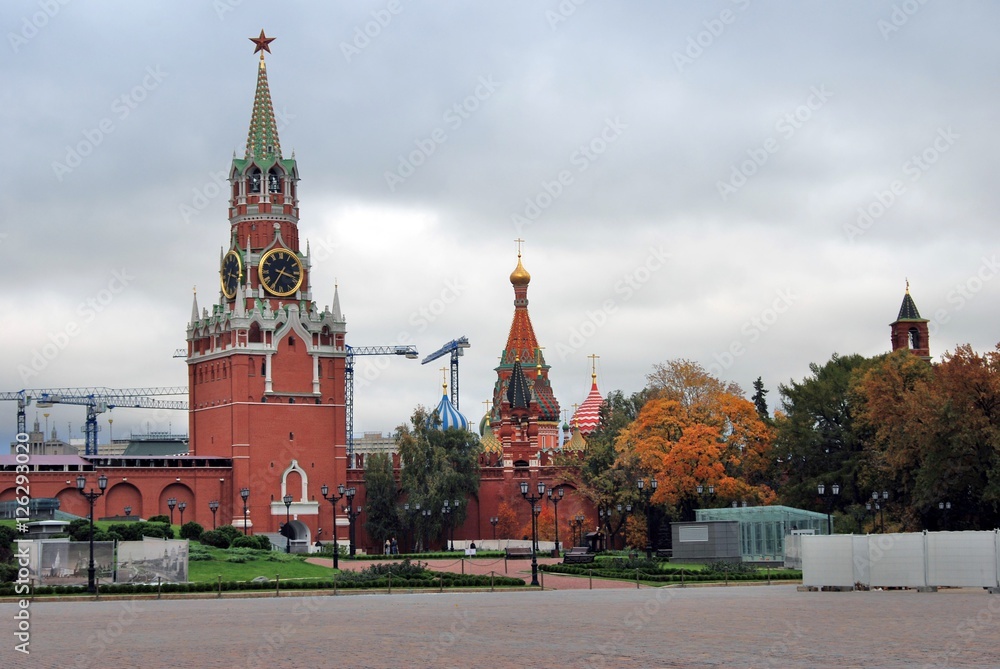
697,430
933,436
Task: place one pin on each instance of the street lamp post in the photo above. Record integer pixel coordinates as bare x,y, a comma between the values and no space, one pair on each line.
426,513
555,499
705,493
879,501
834,491
171,503
448,512
287,499
531,499
333,499
411,515
245,494
81,484
352,516
944,508
213,506
494,521
647,496
181,506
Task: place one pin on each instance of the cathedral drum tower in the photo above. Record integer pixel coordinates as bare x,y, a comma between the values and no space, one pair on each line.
265,365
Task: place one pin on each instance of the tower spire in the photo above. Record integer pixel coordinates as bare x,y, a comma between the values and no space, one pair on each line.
262,140
195,316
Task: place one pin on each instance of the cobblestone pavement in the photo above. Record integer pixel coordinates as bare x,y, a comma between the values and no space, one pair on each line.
756,627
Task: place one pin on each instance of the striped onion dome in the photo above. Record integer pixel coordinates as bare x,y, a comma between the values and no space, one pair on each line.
447,415
490,442
588,414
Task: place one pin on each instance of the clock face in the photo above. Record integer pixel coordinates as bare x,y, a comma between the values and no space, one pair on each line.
280,272
231,274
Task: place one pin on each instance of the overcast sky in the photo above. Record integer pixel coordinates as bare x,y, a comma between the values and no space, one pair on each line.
746,184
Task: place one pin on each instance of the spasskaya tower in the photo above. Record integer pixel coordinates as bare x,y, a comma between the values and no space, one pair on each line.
265,364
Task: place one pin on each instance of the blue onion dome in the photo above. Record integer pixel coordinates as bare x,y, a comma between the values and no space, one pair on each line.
447,415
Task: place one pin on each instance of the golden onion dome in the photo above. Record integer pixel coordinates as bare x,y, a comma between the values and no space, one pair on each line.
520,276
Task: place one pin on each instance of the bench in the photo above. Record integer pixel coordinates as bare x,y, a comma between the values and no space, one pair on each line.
518,553
578,555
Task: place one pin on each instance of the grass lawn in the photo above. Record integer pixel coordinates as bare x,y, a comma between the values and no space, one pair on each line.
259,563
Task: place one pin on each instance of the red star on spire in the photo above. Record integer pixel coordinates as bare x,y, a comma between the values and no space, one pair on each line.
263,43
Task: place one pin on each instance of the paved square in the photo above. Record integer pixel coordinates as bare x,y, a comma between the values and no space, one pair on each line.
759,626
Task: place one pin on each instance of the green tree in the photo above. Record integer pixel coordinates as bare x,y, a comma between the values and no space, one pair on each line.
817,440
437,465
759,400
381,515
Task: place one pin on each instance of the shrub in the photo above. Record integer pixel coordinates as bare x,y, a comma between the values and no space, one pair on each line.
246,542
79,529
191,530
8,572
158,519
229,532
723,567
263,543
153,529
215,538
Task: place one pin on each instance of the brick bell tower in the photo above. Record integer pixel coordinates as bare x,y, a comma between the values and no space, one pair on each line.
265,365
910,331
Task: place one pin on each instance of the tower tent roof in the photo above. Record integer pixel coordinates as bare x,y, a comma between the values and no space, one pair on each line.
908,309
262,140
518,392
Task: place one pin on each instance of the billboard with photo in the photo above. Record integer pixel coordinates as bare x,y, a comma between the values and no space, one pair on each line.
65,562
153,560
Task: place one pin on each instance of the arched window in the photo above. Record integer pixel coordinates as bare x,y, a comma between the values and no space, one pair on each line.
255,180
914,339
273,181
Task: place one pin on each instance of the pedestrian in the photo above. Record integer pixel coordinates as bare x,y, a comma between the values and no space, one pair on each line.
395,546
387,545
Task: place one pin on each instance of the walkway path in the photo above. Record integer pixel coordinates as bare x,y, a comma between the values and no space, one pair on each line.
515,568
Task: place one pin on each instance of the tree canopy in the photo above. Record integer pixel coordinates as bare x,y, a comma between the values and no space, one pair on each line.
437,465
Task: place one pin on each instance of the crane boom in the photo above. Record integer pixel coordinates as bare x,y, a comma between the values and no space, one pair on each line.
454,347
407,351
97,399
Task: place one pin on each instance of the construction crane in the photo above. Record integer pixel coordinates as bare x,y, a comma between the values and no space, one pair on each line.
454,347
409,352
97,400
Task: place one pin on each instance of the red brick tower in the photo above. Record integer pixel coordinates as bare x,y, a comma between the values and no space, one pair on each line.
540,419
909,330
265,365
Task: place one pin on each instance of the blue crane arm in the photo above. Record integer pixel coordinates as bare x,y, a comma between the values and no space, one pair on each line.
453,345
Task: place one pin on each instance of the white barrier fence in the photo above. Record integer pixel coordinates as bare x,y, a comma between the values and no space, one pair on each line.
909,560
